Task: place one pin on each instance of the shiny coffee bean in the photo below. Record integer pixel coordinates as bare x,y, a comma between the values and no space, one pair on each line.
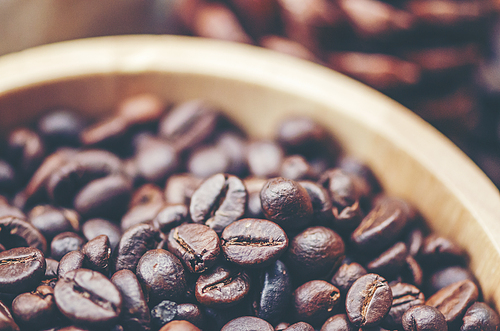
404,297
315,301
16,232
51,221
447,276
180,188
162,274
264,159
7,322
342,188
253,243
424,318
222,287
97,254
254,186
35,309
133,244
368,301
21,269
179,326
60,127
247,323
196,245
286,203
163,313
219,201
480,316
70,262
347,274
315,253
155,159
390,262
321,203
170,216
7,178
208,161
64,243
51,268
439,251
299,326
339,322
135,312
25,151
88,298
96,227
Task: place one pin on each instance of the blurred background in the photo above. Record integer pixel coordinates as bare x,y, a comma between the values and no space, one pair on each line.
440,58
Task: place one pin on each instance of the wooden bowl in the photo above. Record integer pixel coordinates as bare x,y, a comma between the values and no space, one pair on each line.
258,88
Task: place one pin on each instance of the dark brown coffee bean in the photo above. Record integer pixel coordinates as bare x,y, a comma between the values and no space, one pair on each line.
299,326
36,309
21,269
16,232
96,227
342,187
321,203
51,268
339,322
64,243
179,326
415,241
144,213
208,161
133,244
87,297
155,159
222,286
447,276
286,203
367,181
315,253
347,274
390,262
162,274
424,318
219,201
145,195
264,159
69,262
171,216
247,323
180,188
412,272
135,312
191,313
315,301
254,186
60,127
51,221
196,245
6,321
439,251
454,300
253,243
302,135
404,297
368,301
234,146
25,151
97,254
296,167
480,316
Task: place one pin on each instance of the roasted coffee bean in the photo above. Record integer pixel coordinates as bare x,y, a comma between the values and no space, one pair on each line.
367,182
347,274
97,254
296,167
247,323
179,326
390,262
25,151
219,201
439,251
222,286
254,186
87,297
454,300
162,274
339,322
412,272
299,326
21,269
286,203
6,321
208,161
424,318
8,210
196,245
315,301
447,276
147,194
404,296
51,268
69,262
368,301
155,159
64,243
135,312
171,216
253,243
96,227
180,188
321,203
234,146
60,127
264,159
7,178
191,313
51,221
415,241
36,309
144,213
16,232
314,253
163,313
133,244
480,316
342,187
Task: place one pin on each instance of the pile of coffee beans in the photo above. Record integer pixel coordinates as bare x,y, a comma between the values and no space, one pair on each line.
176,220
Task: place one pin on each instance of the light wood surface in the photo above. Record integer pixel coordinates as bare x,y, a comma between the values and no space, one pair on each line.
257,88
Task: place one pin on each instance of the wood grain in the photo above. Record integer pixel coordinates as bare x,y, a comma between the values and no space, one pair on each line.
257,88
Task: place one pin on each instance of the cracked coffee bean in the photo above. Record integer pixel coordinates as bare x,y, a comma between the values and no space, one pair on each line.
21,269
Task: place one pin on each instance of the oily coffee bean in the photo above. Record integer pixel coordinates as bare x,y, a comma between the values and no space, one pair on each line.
219,201
64,243
480,317
7,323
179,326
390,262
208,161
133,244
447,276
87,297
286,203
163,313
321,203
97,254
222,286
51,221
171,216
21,269
180,188
35,309
347,274
196,245
299,326
315,301
155,159
247,323
264,159
339,322
69,262
97,226
342,187
424,318
253,243
368,301
60,127
51,268
404,297
16,232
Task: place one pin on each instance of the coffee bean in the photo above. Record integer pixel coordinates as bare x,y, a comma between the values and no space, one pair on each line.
321,203
6,321
264,158
347,274
247,323
208,161
219,201
69,262
299,326
339,322
179,326
155,159
162,274
16,232
21,269
390,262
191,313
439,251
412,272
60,127
51,268
143,213
367,181
97,254
133,244
88,298
414,241
404,296
135,312
171,216
180,188
281,326
368,301
146,194
222,286
196,245
64,243
51,221
36,309
296,167
253,243
342,187
315,301
25,150
286,203
234,146
424,318
254,186
480,316
447,276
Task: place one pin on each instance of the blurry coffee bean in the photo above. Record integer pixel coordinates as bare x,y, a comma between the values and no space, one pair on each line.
412,272
7,178
171,216
191,313
36,309
25,151
424,318
342,187
234,147
155,159
222,287
254,186
256,16
60,127
179,326
97,254
315,301
179,188
281,326
368,301
208,161
6,321
347,274
87,297
147,194
299,326
447,276
264,158
321,203
454,300
219,201
404,296
69,262
295,167
163,313
339,322
414,241
162,274
367,178
133,244
287,46
135,312
390,262
15,232
21,269
196,245
51,221
64,243
286,203
447,13
51,268
315,253
140,214
8,210
439,251
247,323
480,316
96,227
